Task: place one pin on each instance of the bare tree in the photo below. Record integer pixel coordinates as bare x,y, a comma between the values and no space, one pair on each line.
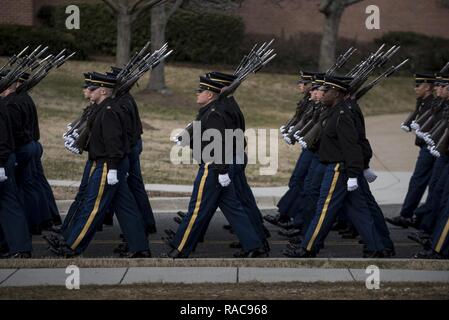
333,11
160,16
126,12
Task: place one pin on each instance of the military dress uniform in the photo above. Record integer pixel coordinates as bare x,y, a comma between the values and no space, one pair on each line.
15,239
208,194
424,165
107,148
286,204
342,155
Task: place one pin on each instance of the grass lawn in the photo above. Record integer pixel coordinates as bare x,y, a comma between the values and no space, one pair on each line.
267,100
251,291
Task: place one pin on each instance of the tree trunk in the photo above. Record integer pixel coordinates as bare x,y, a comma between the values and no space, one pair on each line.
123,34
158,27
330,38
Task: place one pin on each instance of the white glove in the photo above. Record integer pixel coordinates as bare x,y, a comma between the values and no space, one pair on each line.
112,177
290,129
352,184
282,129
405,128
370,175
224,180
297,136
287,140
3,176
303,143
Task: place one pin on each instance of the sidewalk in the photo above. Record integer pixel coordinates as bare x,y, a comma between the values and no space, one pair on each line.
127,276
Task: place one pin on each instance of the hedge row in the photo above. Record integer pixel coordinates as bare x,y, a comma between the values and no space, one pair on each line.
194,37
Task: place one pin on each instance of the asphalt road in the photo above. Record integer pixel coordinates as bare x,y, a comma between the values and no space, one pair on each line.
218,240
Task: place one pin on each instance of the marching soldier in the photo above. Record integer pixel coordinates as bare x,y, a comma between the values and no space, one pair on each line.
286,204
15,239
424,165
213,186
107,186
343,157
135,179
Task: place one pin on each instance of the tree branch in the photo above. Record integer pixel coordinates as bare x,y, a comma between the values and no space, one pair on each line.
351,2
140,6
112,5
174,7
325,6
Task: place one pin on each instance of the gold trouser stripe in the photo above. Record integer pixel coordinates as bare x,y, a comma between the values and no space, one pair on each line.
197,208
442,238
92,169
326,206
95,210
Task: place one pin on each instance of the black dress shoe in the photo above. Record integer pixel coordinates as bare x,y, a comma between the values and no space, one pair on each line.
272,219
290,233
174,254
122,248
181,214
21,255
296,240
298,253
429,255
420,238
286,225
36,230
136,255
63,251
178,220
389,253
400,222
373,254
170,233
235,245
258,253
109,220
227,227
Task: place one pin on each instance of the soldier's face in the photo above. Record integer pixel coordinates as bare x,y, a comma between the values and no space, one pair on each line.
95,95
319,95
86,93
204,97
303,87
438,91
329,97
422,89
445,91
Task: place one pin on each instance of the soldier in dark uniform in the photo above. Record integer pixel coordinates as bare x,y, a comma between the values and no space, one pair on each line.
342,154
15,239
438,247
213,186
88,113
424,165
286,204
107,186
23,122
135,179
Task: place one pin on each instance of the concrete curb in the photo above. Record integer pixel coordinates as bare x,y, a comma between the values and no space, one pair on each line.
129,276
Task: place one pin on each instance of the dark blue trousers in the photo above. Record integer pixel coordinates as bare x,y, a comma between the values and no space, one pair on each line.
206,197
99,197
137,186
303,204
439,202
296,183
418,183
377,214
51,206
440,236
335,197
80,196
30,192
13,220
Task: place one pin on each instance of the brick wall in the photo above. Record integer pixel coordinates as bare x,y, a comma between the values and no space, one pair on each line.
428,17
17,12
